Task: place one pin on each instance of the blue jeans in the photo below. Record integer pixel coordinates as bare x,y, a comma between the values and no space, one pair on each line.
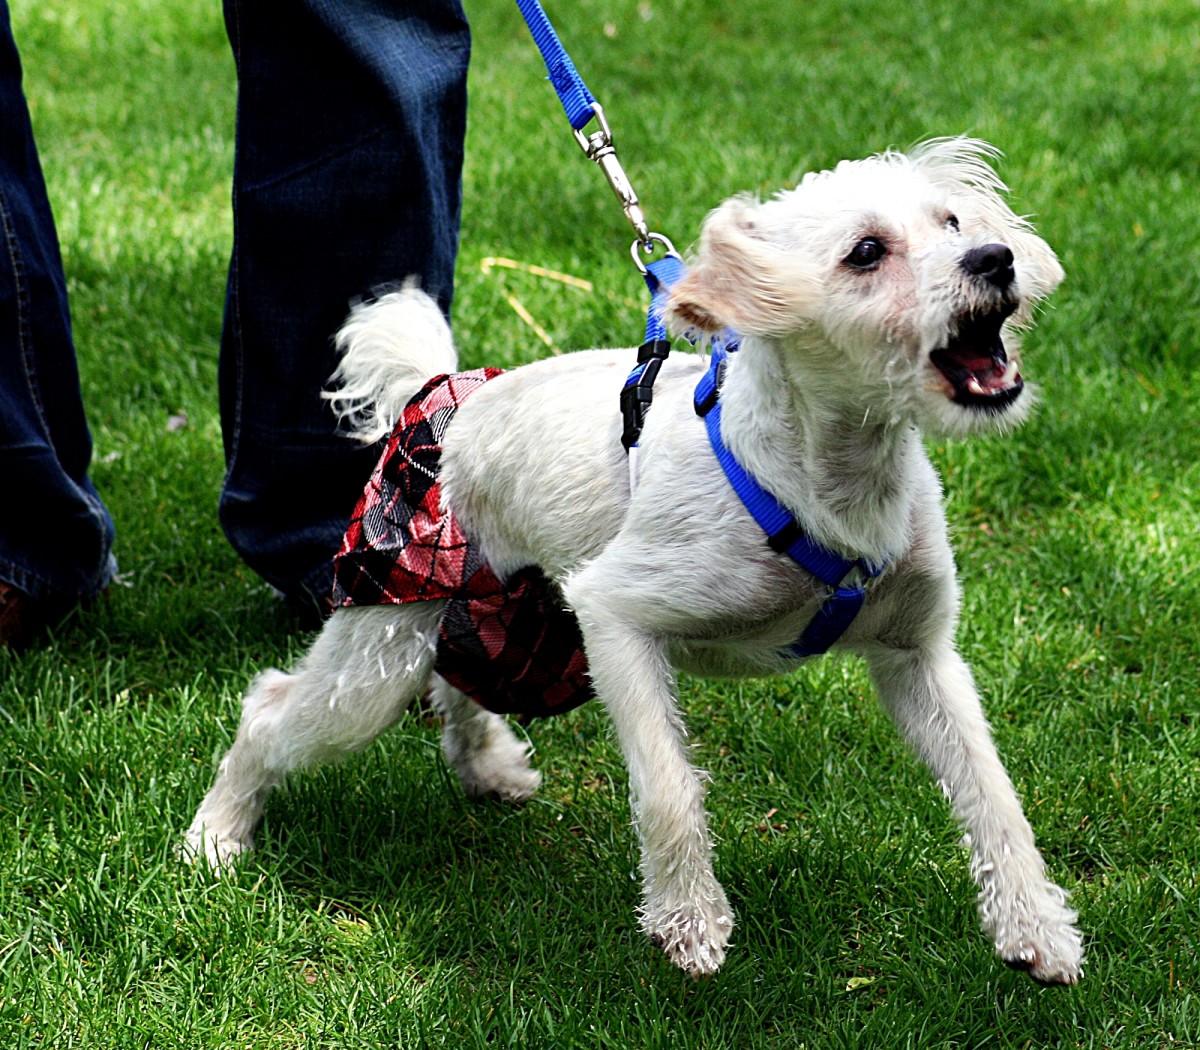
55,533
347,176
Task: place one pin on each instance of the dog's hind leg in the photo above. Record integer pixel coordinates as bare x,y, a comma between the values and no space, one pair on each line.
482,749
933,701
358,677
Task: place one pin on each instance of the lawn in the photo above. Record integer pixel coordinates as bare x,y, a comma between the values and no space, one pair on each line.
383,908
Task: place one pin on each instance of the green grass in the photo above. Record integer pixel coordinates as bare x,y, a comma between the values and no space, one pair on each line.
383,909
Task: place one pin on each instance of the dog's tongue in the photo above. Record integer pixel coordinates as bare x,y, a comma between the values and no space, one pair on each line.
985,375
974,362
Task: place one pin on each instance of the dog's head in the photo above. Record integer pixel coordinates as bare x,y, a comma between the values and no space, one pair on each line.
901,279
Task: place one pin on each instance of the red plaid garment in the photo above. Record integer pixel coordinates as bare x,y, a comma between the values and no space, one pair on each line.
508,644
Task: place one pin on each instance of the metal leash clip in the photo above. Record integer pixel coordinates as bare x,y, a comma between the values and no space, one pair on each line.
598,146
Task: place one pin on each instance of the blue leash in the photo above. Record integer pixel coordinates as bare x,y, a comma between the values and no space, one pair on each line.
581,107
573,93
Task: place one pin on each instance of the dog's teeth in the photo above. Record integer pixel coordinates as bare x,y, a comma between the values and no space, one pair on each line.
974,387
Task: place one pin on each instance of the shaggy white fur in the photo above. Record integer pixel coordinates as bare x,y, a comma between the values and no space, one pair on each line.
877,300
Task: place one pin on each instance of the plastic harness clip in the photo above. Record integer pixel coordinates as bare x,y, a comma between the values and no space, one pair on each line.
638,392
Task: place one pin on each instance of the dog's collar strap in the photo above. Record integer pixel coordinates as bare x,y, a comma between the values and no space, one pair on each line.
661,275
705,398
784,533
845,577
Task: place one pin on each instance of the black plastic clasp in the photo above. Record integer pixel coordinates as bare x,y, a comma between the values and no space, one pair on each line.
638,392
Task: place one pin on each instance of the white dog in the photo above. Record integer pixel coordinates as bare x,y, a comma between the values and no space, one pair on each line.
875,301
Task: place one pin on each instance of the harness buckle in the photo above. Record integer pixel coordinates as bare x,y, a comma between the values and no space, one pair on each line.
638,391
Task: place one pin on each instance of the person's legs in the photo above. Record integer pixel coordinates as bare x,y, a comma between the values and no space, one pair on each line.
55,533
351,120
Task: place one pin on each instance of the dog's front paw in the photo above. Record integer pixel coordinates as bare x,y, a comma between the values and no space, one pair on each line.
693,935
1041,939
1049,956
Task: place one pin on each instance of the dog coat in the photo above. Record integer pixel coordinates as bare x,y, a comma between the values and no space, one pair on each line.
508,644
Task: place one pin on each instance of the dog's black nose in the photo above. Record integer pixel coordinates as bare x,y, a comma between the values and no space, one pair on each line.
992,262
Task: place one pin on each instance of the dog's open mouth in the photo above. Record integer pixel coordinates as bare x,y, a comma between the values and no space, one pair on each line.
975,365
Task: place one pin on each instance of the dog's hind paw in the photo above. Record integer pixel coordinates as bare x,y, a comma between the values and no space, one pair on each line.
509,783
492,764
693,936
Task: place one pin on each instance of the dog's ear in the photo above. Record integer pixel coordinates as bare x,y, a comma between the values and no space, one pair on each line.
743,277
963,167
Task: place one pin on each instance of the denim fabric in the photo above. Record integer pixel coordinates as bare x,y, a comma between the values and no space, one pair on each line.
55,533
347,176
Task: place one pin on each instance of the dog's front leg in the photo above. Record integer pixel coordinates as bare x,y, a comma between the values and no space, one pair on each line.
684,909
932,698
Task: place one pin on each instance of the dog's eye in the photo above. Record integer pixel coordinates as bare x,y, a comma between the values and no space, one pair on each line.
952,222
865,255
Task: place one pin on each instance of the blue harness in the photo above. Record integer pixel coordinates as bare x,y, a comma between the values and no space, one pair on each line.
845,577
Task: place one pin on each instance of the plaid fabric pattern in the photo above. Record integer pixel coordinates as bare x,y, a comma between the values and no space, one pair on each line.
508,644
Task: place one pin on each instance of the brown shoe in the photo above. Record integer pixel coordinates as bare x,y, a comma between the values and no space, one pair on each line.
21,620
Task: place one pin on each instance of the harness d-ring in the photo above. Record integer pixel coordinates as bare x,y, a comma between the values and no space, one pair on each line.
646,244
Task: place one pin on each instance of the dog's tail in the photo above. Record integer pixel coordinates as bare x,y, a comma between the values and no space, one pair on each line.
390,347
